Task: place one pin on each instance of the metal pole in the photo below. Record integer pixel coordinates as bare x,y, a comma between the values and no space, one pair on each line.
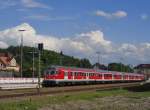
60,62
39,75
21,54
21,67
33,64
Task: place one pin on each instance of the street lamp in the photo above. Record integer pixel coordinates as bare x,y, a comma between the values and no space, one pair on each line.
21,45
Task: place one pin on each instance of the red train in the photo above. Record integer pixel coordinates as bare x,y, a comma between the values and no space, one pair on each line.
59,75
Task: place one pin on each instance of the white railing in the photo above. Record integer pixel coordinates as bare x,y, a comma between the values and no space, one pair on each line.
19,80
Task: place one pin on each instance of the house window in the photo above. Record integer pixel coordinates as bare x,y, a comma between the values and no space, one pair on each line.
1,65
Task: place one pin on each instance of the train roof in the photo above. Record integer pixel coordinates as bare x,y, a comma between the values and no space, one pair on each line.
72,68
91,70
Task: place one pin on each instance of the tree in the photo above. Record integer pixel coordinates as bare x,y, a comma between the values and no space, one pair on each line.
85,63
119,67
48,58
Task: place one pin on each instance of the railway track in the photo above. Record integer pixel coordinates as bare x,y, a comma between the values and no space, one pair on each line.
59,90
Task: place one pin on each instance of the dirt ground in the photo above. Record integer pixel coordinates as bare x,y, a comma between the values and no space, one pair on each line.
105,103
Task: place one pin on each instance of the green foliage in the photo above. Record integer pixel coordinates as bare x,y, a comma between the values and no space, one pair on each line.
119,67
47,58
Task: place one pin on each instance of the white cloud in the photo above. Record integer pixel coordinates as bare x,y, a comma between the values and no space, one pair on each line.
24,4
102,13
81,45
144,16
117,14
34,4
128,47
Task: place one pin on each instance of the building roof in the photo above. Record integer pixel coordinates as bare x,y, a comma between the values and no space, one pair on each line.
143,66
5,58
5,55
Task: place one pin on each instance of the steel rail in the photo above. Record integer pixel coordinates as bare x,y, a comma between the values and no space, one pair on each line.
59,90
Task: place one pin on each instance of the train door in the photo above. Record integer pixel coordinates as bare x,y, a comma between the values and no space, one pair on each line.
65,75
69,75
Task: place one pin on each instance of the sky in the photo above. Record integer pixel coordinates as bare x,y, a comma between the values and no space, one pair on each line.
118,29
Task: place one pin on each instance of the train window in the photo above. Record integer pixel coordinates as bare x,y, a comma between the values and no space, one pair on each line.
105,75
51,72
81,74
72,73
108,75
89,74
76,74
100,75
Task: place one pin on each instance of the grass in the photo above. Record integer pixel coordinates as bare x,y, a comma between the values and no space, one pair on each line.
34,103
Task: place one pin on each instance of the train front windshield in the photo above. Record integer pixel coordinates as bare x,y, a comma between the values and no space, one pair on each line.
50,72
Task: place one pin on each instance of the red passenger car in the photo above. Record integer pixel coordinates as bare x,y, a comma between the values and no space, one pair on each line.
59,75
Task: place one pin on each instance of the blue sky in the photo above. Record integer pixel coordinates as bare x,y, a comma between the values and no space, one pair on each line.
121,21
75,16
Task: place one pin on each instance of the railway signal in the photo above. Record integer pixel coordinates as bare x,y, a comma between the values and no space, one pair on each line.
40,48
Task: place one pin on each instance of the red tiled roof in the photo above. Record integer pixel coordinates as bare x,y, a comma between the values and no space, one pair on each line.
5,60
